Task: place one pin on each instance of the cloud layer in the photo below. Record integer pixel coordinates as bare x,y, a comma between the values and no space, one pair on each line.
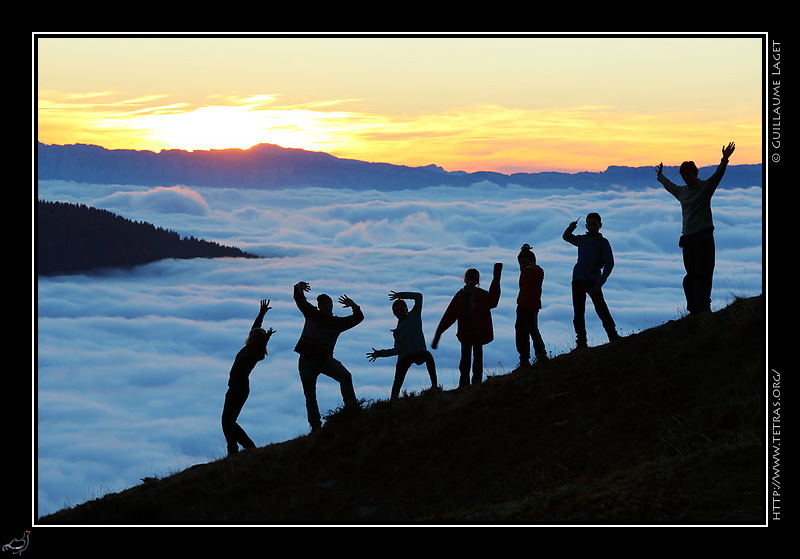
132,366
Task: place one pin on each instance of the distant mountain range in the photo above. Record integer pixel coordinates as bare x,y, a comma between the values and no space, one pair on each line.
271,166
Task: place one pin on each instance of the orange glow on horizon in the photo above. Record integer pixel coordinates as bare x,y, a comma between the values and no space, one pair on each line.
475,138
505,104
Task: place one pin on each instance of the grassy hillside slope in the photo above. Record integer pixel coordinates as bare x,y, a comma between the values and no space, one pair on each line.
665,426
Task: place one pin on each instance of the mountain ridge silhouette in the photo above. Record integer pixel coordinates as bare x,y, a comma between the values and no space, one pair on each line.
272,166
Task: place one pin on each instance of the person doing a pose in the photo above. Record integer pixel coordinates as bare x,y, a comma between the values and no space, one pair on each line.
697,232
409,341
589,275
316,344
254,350
472,308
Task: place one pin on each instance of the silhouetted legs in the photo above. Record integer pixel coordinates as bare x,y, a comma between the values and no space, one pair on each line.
310,369
235,398
526,328
470,353
698,260
579,290
404,364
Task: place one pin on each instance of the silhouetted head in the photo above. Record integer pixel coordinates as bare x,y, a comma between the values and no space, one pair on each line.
593,222
258,338
472,277
689,172
325,303
526,257
400,309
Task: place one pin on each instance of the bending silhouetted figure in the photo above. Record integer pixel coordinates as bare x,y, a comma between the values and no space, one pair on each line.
316,345
697,233
409,341
471,307
589,275
254,350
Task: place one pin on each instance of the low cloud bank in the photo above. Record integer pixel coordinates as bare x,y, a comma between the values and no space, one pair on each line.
133,365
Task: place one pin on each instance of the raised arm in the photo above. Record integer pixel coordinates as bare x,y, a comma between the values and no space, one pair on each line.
300,298
413,295
728,151
567,235
261,313
668,185
714,180
299,288
357,315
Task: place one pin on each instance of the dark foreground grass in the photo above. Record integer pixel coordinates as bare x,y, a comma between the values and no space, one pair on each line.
662,427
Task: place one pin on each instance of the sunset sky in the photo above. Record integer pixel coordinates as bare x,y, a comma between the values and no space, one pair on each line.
132,365
508,104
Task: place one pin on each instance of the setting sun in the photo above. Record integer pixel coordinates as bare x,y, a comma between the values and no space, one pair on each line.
411,101
222,123
211,128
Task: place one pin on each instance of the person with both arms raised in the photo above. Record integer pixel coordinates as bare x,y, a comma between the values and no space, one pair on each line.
697,232
254,350
316,344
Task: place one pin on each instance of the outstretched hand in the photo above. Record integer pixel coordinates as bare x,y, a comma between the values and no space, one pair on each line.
372,355
265,306
727,151
660,169
393,295
302,285
346,301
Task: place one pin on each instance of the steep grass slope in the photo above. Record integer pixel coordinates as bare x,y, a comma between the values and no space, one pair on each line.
665,426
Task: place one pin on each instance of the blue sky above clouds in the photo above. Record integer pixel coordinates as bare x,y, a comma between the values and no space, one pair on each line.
133,365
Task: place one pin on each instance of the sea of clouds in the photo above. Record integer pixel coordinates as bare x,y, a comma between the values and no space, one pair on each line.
132,365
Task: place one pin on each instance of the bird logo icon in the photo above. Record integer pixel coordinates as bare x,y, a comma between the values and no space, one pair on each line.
18,545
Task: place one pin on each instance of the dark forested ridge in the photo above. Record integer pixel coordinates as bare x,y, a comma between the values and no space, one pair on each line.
75,237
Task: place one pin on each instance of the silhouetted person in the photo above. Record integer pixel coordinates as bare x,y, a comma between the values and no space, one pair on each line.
316,345
594,265
409,341
697,233
471,306
254,350
529,302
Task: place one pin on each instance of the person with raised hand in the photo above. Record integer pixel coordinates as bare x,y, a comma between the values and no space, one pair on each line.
316,346
254,350
697,230
471,307
589,275
409,341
